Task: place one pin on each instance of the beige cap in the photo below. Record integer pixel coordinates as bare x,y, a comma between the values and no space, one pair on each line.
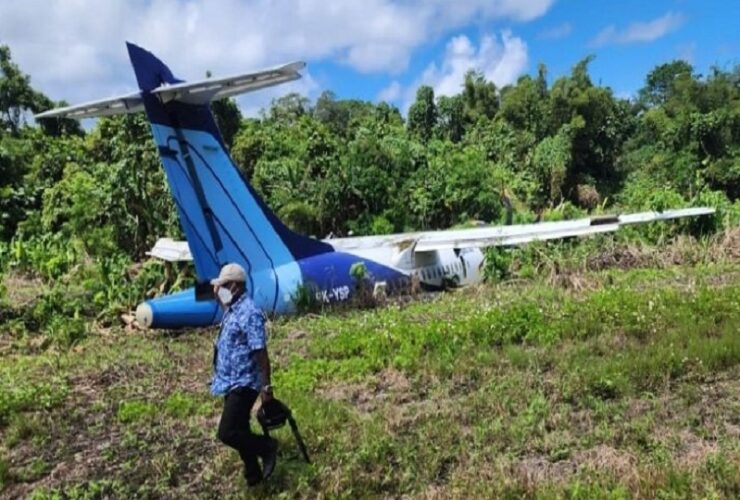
229,273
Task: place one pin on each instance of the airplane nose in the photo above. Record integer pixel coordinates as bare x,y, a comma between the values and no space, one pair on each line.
144,315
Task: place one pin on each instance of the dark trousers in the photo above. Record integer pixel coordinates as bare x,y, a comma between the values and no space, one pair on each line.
234,430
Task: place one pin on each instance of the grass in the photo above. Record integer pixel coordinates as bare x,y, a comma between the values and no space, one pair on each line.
625,386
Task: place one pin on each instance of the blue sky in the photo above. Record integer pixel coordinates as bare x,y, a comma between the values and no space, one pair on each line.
367,49
705,33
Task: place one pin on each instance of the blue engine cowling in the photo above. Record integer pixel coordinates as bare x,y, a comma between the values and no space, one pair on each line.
178,310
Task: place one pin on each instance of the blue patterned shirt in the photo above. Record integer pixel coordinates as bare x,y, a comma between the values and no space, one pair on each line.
242,333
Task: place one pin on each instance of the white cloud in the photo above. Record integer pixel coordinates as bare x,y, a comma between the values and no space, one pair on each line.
556,32
391,93
74,50
501,61
639,31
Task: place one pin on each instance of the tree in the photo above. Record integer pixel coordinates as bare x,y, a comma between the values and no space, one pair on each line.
598,123
332,113
660,82
524,107
451,120
423,114
287,109
228,118
16,95
479,97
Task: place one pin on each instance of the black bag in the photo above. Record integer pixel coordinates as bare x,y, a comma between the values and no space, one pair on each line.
273,414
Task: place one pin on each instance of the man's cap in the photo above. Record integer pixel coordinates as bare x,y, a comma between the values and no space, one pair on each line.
229,273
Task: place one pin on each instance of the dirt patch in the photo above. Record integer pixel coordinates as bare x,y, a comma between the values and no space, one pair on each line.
573,280
22,290
388,386
621,463
693,451
727,245
682,250
538,469
622,257
534,470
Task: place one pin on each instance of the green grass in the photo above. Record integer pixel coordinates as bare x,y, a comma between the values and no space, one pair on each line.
627,386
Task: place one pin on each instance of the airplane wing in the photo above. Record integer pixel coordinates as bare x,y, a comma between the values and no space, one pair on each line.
199,92
478,237
512,235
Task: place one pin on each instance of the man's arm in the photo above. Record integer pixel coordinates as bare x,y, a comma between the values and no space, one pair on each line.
263,362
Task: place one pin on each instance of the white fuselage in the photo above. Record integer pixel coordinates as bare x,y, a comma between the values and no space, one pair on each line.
437,269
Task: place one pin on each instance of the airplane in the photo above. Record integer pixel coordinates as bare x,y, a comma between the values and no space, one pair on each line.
224,220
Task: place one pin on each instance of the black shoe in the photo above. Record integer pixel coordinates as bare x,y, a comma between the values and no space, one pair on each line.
252,479
268,460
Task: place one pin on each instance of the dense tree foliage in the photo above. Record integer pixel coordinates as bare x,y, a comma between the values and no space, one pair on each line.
348,166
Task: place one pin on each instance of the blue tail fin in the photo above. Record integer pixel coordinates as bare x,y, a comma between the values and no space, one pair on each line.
223,218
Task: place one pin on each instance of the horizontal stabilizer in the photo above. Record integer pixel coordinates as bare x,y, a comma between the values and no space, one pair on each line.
120,105
199,92
204,91
170,250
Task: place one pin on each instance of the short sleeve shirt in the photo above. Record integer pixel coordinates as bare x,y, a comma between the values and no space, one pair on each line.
242,333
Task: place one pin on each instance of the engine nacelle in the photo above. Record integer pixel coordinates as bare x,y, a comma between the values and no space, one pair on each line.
178,310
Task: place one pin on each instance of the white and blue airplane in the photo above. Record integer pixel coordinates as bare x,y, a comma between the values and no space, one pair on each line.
225,220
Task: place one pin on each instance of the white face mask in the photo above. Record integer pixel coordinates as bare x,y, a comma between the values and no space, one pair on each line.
225,296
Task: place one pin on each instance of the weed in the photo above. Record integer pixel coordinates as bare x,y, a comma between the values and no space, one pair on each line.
18,395
180,406
5,475
135,411
24,427
305,299
85,491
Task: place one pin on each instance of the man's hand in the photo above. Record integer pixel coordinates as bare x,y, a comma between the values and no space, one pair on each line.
266,393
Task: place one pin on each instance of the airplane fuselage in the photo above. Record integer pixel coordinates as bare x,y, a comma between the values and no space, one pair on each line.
327,279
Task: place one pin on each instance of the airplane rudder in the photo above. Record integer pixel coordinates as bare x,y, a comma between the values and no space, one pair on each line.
150,71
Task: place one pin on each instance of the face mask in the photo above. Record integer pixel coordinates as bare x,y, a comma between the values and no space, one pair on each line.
225,296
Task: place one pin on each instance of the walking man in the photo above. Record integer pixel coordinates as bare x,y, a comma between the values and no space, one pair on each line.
241,373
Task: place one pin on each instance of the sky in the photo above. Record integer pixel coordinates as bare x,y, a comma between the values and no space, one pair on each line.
364,49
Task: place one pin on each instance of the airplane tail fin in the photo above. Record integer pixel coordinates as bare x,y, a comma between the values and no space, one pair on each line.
222,216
